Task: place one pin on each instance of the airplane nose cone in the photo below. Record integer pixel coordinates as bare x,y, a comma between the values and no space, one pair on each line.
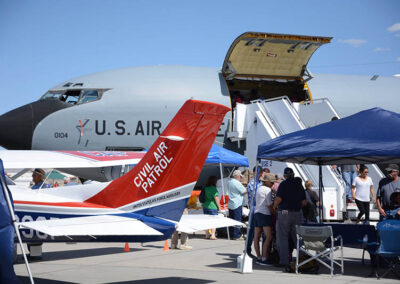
17,126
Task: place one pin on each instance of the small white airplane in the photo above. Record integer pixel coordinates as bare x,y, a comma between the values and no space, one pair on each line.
89,165
146,204
126,109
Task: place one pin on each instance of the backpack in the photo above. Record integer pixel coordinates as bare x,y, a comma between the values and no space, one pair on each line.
310,267
202,196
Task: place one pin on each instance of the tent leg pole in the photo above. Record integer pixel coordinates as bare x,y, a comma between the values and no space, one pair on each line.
320,195
257,173
223,194
16,226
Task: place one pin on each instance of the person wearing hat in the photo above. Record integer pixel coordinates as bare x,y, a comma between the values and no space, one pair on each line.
38,177
387,187
251,187
262,217
236,195
290,198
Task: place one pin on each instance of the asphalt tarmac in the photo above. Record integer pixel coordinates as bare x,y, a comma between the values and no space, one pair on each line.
209,261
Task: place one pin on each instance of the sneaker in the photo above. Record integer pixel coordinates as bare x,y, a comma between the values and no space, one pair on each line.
185,247
263,262
269,262
239,239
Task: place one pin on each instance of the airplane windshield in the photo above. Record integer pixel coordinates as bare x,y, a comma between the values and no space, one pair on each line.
73,96
88,96
52,95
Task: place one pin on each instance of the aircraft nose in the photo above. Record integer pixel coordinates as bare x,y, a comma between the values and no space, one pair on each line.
18,125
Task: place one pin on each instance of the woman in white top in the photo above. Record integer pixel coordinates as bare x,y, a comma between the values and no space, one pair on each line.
362,189
262,218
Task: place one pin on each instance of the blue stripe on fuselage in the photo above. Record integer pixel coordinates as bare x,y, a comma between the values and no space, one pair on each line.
150,216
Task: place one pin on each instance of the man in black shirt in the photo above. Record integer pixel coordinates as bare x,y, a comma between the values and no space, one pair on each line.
387,187
290,198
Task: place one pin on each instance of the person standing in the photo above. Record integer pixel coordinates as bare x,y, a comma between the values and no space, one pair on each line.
262,218
290,198
183,236
349,173
387,187
362,188
236,197
38,177
211,203
251,187
312,202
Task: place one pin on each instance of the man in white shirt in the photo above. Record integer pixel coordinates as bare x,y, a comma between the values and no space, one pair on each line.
236,196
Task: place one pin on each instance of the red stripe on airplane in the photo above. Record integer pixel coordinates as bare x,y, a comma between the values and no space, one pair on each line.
63,204
104,156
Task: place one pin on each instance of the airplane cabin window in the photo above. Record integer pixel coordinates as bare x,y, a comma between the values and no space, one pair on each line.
88,96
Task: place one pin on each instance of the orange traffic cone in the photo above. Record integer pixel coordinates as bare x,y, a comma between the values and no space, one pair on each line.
166,246
127,247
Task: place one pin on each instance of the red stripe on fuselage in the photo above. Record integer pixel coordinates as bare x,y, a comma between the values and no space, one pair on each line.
63,204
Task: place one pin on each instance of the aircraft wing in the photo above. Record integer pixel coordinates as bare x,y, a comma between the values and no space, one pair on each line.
100,225
198,222
21,159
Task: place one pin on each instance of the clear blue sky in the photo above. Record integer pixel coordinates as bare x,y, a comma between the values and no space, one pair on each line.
44,42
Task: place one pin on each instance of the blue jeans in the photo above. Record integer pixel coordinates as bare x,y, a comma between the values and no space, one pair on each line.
348,178
235,214
207,211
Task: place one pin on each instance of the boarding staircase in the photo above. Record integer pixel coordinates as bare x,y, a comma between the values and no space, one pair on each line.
262,120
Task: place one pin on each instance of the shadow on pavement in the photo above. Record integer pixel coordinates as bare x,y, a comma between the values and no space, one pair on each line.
352,267
79,253
166,280
25,279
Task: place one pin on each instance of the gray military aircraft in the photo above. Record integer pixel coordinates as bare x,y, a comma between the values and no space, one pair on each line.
127,109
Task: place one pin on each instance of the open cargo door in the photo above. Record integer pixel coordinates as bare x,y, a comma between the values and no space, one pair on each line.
270,55
265,66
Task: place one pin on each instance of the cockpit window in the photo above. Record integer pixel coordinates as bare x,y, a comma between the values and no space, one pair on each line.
74,97
51,95
88,96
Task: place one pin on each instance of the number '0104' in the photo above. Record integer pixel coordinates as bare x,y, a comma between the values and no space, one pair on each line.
60,135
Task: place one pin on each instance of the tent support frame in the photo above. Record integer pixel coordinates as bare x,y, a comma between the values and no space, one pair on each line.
223,193
5,191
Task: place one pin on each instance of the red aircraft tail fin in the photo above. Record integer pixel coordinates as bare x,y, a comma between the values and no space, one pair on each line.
171,167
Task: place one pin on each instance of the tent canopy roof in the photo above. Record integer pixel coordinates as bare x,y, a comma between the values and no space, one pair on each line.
370,136
219,155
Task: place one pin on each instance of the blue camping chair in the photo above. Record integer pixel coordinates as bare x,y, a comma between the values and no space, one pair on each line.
389,246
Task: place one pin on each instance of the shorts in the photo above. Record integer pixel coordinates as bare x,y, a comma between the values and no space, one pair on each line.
210,211
262,220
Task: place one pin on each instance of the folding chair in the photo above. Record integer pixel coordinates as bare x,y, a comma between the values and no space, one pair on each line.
314,238
389,246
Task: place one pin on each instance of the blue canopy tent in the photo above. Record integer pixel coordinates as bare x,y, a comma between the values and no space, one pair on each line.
222,157
219,155
370,136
